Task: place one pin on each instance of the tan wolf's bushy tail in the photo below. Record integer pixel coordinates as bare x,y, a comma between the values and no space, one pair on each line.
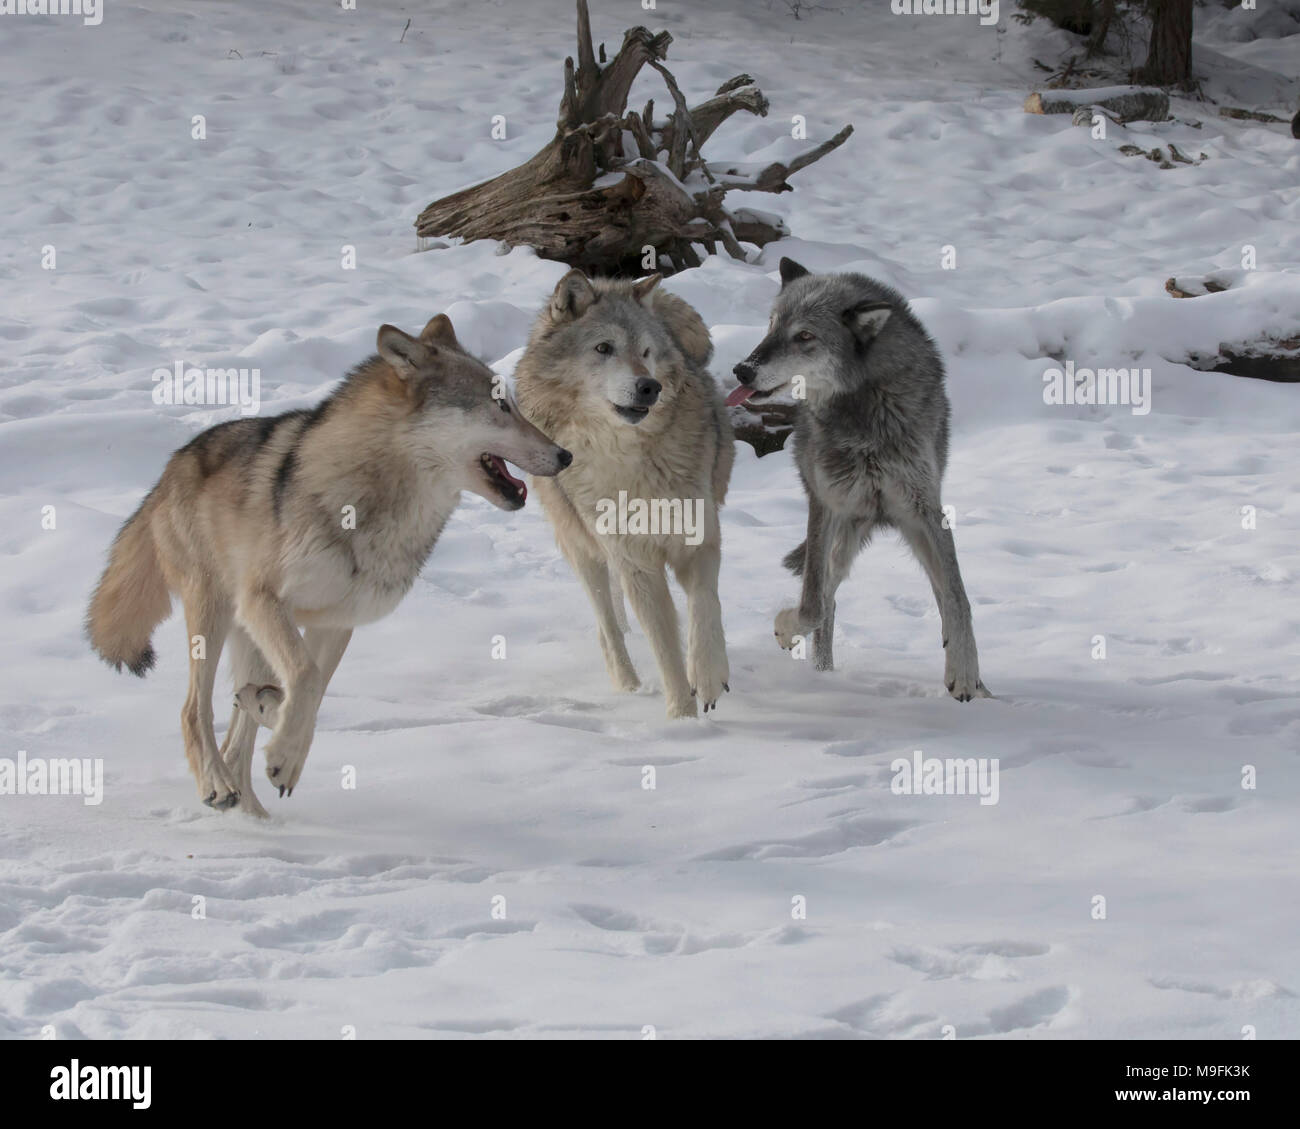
131,599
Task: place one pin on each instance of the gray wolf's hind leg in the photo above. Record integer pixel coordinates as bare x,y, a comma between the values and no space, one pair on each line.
934,547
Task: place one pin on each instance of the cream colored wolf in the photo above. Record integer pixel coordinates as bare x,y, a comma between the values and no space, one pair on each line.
615,370
316,519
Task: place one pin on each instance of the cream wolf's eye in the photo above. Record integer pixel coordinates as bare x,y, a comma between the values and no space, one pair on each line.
505,406
646,353
604,348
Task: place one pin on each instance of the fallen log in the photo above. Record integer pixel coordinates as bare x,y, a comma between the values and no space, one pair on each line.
1128,103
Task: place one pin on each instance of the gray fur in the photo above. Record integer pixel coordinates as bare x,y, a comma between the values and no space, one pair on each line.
870,445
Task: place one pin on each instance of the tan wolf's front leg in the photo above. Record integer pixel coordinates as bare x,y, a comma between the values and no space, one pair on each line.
272,630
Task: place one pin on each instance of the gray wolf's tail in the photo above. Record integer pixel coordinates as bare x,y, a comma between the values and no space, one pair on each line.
131,598
793,560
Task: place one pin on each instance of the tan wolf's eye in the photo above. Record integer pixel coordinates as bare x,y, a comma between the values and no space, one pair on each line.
604,347
803,335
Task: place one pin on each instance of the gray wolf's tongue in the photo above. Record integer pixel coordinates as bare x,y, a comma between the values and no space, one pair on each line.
739,395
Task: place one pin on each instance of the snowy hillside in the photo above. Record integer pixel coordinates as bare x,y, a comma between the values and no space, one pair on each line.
499,868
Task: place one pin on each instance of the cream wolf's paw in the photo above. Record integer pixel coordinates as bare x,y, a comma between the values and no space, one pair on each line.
789,623
682,707
217,787
262,703
708,677
961,673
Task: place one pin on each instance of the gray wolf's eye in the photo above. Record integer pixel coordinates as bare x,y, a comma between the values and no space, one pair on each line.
604,347
803,335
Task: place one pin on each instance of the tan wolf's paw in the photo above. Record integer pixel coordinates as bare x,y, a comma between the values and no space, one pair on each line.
260,702
285,757
788,624
251,805
217,787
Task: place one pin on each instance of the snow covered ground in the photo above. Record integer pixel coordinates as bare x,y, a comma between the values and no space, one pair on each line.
499,868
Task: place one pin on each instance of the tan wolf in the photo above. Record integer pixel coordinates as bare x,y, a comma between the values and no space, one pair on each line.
317,520
615,370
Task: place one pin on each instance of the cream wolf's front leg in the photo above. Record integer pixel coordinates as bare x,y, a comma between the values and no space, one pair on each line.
706,645
647,592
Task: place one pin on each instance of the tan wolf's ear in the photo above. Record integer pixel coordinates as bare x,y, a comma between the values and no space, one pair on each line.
404,353
574,296
641,289
439,331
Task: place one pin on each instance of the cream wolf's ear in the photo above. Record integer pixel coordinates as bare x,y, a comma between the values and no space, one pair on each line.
641,289
574,296
686,326
439,331
403,352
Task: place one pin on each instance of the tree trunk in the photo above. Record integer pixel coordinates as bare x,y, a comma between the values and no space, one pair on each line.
1169,54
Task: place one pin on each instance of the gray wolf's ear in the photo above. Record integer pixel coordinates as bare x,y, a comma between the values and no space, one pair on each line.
403,352
865,321
440,332
574,296
641,290
790,270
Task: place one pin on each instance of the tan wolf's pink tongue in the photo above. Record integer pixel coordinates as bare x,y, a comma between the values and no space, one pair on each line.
739,396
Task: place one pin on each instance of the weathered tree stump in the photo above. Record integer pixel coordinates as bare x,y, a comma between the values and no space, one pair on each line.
614,182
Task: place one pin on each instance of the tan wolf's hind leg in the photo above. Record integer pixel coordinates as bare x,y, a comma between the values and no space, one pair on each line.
207,619
248,667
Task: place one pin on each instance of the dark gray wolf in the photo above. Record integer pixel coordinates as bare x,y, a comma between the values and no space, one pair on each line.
871,443
615,370
317,519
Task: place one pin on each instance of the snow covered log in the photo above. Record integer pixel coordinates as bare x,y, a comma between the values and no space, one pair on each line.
612,182
1129,103
1268,359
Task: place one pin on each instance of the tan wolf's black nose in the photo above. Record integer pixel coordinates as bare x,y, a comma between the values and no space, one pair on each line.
563,457
744,373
